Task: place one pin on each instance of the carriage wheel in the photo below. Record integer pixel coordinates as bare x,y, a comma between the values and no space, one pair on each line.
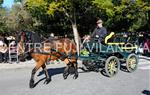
131,62
112,66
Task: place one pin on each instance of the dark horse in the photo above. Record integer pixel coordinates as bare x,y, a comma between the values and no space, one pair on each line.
63,49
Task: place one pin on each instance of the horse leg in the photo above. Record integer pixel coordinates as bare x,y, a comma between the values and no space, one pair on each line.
39,64
31,84
76,74
48,79
66,72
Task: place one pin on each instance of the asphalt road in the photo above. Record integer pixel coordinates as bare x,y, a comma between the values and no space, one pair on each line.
15,81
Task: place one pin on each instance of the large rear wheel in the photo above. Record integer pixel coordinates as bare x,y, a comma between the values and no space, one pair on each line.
131,63
112,66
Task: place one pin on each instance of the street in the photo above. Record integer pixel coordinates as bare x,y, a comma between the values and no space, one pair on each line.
15,81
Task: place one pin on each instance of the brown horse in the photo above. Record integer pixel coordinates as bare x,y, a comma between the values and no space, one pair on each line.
63,49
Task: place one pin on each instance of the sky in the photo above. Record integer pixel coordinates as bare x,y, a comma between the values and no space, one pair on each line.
8,3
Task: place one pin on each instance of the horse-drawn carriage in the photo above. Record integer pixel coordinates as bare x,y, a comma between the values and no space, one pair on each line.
108,57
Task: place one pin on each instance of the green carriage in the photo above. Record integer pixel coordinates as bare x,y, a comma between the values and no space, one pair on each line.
109,57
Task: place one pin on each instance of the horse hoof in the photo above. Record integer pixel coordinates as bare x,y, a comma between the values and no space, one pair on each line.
75,76
31,84
65,75
47,81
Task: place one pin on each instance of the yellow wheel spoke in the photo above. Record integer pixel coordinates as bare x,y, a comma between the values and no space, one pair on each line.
112,66
132,62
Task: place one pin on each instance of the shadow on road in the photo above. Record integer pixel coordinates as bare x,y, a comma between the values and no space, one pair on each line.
148,59
146,92
53,71
39,81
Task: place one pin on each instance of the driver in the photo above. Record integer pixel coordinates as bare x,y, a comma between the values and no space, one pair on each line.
99,32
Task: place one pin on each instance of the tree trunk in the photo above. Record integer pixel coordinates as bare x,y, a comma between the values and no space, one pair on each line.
76,37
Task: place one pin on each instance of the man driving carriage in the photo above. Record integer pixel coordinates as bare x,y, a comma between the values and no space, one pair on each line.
98,35
99,32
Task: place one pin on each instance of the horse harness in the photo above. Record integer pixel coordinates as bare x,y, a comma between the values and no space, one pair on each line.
63,55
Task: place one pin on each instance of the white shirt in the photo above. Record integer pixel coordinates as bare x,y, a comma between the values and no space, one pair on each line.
1,43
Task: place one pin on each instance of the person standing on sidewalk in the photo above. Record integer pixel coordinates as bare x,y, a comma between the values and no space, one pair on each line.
3,52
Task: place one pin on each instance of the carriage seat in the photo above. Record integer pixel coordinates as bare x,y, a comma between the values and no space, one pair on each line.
112,43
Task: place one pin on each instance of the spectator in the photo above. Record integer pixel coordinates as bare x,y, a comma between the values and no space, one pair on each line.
3,52
13,51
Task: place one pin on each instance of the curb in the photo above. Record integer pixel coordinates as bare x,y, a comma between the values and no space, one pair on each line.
144,57
16,65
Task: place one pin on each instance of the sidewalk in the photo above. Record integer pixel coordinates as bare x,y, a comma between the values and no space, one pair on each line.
28,64
14,65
